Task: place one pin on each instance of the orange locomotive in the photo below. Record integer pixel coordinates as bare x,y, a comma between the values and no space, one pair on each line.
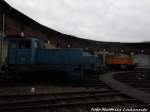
120,61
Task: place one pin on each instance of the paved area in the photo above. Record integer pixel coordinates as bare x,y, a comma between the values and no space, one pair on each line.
125,89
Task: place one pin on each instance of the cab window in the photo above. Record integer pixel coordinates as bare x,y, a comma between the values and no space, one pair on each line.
38,45
12,44
25,44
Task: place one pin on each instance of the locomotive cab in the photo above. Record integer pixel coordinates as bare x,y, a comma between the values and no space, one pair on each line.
22,53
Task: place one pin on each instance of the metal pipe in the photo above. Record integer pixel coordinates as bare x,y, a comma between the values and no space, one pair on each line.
3,35
3,52
3,30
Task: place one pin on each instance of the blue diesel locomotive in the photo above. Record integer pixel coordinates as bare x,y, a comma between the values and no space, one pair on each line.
30,54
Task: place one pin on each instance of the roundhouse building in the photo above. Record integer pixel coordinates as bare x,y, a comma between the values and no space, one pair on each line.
13,22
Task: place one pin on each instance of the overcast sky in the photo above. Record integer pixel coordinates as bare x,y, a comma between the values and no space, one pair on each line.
103,20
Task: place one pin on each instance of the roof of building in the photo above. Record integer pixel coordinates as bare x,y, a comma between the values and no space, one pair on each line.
10,11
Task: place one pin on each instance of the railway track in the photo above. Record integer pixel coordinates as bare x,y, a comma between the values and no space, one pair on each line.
100,96
135,80
130,84
67,100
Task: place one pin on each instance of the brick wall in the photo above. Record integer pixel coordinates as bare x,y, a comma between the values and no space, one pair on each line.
14,26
